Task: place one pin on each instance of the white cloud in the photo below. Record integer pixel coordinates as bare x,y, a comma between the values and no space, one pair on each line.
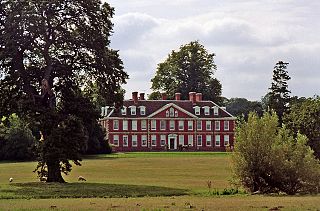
248,38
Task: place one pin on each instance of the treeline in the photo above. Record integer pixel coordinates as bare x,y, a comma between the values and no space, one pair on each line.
18,139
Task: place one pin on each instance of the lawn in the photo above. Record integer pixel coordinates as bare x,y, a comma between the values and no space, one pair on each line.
139,181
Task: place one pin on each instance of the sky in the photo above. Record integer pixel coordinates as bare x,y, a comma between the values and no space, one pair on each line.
248,38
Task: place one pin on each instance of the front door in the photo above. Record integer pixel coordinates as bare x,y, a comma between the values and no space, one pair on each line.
172,144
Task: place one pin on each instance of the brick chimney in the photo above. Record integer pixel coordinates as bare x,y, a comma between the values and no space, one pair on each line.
141,96
135,97
192,97
198,97
178,96
164,96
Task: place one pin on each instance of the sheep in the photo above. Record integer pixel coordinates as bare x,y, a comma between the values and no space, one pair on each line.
81,178
43,179
10,179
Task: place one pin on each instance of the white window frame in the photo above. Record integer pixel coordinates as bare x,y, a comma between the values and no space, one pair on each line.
181,125
162,124
134,125
175,113
226,125
171,110
226,140
217,140
116,138
124,110
123,141
199,128
172,128
144,137
190,140
217,125
153,124
153,139
196,110
134,140
142,110
208,140
208,125
115,124
181,140
162,140
143,124
125,124
133,110
207,110
190,125
199,138
216,110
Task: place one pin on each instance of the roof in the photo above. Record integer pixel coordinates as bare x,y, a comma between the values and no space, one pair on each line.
152,106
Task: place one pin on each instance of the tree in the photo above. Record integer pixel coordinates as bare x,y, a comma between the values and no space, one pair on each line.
155,96
278,97
16,140
189,69
304,117
242,107
49,50
269,159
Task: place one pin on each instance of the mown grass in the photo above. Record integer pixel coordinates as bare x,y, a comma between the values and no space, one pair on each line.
38,190
139,181
228,203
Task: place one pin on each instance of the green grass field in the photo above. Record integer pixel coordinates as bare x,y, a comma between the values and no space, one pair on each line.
138,181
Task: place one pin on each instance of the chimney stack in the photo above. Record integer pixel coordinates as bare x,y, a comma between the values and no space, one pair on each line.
178,96
141,96
135,97
163,96
198,97
192,97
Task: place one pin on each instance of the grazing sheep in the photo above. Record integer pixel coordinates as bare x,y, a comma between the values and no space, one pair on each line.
43,179
10,179
81,178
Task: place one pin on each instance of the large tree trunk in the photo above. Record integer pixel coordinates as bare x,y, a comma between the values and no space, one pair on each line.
54,173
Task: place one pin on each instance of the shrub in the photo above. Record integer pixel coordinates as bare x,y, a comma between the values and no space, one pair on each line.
268,159
16,140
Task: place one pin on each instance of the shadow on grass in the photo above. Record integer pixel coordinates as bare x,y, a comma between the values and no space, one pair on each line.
84,190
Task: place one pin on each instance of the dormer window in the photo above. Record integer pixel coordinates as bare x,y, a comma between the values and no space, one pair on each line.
206,110
133,110
124,110
167,113
142,110
216,110
197,110
176,113
171,112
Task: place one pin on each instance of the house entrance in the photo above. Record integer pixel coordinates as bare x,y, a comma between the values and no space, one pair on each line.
172,143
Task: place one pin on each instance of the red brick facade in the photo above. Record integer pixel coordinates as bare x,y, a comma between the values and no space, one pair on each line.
158,125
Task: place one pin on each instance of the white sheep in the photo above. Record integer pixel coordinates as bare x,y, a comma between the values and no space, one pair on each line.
81,178
43,179
10,179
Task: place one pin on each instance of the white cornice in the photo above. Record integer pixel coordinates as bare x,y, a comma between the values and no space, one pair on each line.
172,105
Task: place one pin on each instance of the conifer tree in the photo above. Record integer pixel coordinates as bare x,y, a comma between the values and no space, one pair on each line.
278,97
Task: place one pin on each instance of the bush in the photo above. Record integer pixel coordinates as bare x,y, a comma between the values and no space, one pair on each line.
16,140
268,159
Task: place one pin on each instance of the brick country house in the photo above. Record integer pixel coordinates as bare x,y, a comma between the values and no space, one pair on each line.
158,125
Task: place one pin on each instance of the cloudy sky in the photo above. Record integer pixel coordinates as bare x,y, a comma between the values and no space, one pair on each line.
247,36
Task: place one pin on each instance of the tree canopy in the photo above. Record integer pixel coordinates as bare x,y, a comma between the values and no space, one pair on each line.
278,97
49,51
242,107
189,69
304,117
